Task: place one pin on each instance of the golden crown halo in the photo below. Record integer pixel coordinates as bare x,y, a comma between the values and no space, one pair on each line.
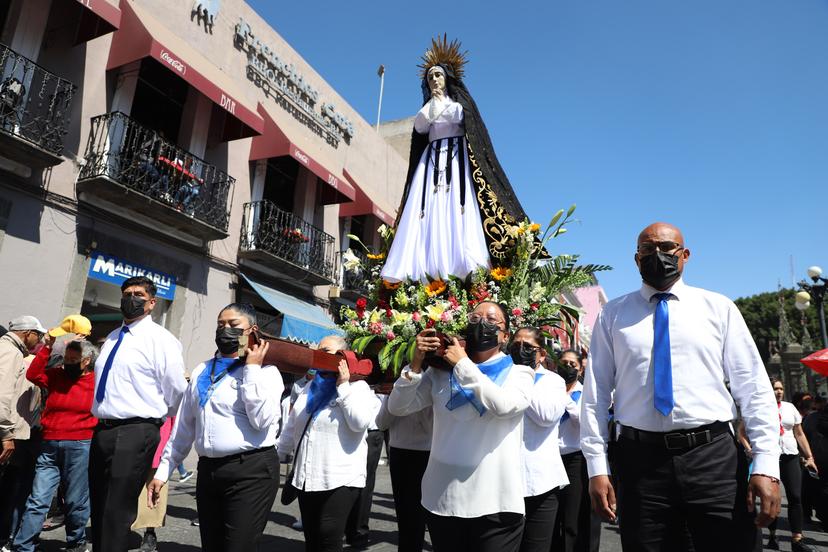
443,52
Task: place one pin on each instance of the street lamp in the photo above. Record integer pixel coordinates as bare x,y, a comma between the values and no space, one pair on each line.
816,292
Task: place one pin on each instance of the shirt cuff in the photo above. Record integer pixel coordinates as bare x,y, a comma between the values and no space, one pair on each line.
162,473
597,465
766,464
404,381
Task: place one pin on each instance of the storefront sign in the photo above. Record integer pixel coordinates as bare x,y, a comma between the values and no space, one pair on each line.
108,268
290,89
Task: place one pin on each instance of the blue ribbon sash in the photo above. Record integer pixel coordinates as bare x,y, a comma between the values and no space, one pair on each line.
209,378
320,392
496,371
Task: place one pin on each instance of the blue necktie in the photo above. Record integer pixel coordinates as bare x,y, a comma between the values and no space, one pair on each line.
99,394
662,363
575,396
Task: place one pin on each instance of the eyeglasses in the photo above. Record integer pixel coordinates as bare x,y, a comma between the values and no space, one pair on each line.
648,248
526,346
475,317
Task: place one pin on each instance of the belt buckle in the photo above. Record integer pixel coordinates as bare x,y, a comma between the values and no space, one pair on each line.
676,441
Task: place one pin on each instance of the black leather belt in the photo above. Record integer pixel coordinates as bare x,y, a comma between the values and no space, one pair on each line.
103,423
680,439
237,456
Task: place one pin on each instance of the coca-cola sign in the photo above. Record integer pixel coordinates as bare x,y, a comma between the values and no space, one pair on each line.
176,64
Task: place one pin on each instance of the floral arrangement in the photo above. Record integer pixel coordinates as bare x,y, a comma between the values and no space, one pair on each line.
295,235
395,312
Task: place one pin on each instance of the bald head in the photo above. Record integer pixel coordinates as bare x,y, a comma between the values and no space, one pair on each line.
661,255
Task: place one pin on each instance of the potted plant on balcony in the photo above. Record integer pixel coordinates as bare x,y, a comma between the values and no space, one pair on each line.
392,314
293,240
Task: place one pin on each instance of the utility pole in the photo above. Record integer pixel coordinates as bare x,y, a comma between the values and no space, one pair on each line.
381,75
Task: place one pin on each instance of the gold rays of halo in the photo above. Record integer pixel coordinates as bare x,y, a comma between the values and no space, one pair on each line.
443,52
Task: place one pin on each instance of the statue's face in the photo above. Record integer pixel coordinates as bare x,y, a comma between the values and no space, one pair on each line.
437,81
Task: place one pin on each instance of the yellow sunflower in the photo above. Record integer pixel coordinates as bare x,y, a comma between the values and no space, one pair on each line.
435,288
376,256
501,273
391,285
534,227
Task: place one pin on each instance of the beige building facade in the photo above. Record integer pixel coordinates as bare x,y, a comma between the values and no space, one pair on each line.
186,141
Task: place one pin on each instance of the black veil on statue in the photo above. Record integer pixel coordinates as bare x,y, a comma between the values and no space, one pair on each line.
496,199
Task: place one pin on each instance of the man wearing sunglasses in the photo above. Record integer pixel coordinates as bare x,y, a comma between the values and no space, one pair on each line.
665,354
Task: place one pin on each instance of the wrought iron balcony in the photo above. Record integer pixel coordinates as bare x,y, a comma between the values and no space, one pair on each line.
283,241
132,166
34,111
355,282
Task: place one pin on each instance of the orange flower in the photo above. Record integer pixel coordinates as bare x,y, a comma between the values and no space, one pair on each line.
534,227
376,256
435,288
391,285
501,273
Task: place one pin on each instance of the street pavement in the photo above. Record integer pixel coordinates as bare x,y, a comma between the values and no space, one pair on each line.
179,535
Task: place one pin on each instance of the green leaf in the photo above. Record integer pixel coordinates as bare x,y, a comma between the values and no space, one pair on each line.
361,343
399,355
412,347
384,356
555,219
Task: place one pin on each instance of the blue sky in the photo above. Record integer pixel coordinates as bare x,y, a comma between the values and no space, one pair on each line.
711,115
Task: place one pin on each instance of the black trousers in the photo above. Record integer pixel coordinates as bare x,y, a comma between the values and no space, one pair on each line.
357,526
493,533
407,469
324,515
234,496
577,528
539,524
790,473
664,494
119,460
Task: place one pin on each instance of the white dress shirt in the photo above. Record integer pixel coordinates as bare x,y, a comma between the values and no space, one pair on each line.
474,466
242,414
790,417
411,432
543,469
146,379
333,453
709,345
569,434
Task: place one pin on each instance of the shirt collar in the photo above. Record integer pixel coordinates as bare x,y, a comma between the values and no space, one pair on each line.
139,325
677,290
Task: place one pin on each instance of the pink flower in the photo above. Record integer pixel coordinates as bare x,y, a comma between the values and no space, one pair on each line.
354,323
446,316
517,311
375,328
415,316
390,336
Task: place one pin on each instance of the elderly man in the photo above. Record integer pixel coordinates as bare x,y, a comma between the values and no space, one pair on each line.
665,355
473,486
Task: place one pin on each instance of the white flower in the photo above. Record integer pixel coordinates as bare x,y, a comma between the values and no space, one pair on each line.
537,292
350,261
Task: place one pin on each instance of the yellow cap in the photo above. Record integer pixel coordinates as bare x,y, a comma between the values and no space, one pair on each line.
74,323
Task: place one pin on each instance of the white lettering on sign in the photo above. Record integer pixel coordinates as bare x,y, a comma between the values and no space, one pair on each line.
176,64
333,181
228,103
301,156
114,269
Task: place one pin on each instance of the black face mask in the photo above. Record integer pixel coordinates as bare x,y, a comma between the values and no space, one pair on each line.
72,370
568,373
522,354
132,307
481,336
659,269
227,339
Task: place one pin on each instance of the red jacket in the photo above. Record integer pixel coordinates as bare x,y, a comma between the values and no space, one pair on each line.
68,413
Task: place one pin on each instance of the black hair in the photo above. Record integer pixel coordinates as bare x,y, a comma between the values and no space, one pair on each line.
143,281
577,354
502,311
805,405
245,309
534,332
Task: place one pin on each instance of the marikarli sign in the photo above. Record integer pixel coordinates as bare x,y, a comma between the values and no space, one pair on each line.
109,268
289,88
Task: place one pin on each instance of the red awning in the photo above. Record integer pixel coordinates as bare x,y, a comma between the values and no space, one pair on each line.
363,205
143,36
275,143
109,13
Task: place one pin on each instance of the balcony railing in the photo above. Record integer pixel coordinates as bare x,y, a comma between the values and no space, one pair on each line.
181,188
355,282
34,105
308,253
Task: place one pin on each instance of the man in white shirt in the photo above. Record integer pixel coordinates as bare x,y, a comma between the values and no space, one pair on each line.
664,354
230,412
139,380
473,485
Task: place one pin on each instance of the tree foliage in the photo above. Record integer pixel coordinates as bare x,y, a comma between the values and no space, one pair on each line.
761,313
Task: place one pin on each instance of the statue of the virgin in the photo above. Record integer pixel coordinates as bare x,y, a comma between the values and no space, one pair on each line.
458,206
